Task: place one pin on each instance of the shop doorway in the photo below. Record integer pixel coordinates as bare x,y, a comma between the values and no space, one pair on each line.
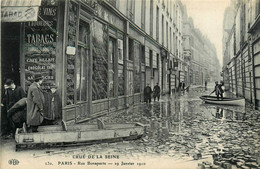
10,52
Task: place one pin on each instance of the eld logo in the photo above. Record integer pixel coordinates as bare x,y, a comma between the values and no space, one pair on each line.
13,162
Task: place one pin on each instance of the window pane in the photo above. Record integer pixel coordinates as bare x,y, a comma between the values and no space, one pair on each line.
84,77
111,53
120,80
83,32
100,61
78,70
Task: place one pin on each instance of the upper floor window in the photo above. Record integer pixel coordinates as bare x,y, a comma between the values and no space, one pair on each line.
131,9
257,7
112,2
143,14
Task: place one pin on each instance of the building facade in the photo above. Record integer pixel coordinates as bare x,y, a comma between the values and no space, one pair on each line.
100,53
199,56
240,42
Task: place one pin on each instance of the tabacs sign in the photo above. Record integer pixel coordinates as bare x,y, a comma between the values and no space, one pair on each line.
19,14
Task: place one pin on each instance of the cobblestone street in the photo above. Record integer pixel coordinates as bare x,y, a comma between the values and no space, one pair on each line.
180,128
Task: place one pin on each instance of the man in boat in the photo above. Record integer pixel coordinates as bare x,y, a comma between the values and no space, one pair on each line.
217,90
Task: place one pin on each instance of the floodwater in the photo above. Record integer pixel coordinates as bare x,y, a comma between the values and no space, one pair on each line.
180,127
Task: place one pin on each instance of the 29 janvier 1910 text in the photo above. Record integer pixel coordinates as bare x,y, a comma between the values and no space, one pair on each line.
78,159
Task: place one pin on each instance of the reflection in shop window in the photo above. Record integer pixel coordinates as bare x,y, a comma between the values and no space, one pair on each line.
120,67
111,69
100,61
137,70
120,51
82,62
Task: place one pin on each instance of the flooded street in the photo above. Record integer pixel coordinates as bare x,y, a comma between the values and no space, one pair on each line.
180,128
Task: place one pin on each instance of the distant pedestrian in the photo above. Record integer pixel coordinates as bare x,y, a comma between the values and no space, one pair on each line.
206,83
147,93
183,87
35,103
156,92
180,87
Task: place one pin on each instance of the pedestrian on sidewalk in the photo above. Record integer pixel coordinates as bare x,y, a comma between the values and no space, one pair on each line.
206,83
52,107
156,92
35,103
147,93
12,94
183,87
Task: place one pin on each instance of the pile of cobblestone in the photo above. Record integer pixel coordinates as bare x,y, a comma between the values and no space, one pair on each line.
197,135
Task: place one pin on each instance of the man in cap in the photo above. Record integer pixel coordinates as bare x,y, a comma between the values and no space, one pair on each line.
12,94
35,103
52,107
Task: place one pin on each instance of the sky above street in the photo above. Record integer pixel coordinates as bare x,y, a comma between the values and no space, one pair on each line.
208,18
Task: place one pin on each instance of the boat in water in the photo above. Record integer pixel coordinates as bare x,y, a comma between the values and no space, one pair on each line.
224,101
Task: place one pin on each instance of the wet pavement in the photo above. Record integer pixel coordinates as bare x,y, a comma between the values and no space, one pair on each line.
181,128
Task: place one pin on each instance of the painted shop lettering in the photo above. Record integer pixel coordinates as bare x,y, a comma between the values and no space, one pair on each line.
36,67
40,38
36,60
40,23
49,11
7,14
45,77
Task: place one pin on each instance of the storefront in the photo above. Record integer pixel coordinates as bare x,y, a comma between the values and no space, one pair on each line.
95,57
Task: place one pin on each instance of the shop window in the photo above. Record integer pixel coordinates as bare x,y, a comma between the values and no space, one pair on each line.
82,60
120,51
130,82
143,54
120,67
137,69
111,66
100,61
131,49
121,80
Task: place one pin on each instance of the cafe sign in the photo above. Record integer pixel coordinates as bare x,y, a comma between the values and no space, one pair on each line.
19,14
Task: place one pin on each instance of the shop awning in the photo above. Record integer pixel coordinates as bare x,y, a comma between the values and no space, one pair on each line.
19,10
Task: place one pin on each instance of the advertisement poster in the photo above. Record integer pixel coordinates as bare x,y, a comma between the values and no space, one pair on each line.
130,84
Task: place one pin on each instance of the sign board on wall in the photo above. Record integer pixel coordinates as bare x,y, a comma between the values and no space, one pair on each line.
19,14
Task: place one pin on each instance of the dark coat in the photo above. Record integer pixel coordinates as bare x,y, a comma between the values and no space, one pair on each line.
35,103
147,92
13,96
156,91
52,106
18,111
